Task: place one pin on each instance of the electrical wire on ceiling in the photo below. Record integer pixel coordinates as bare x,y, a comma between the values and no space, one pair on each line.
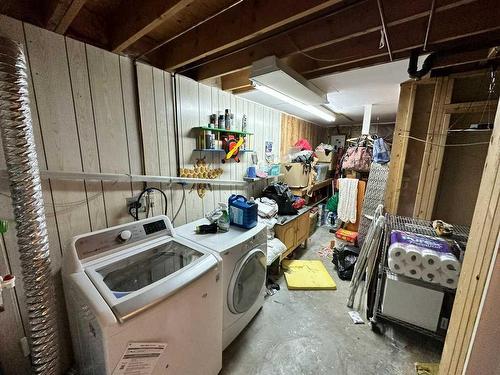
298,50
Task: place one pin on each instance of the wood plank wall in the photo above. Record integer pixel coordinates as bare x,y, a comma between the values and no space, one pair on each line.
293,129
195,102
87,117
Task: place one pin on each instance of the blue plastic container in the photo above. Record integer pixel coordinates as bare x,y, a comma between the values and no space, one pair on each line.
242,213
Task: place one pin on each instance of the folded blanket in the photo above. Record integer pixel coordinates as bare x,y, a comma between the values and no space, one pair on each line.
348,195
266,207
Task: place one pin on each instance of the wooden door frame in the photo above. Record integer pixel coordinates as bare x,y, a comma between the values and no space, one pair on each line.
480,252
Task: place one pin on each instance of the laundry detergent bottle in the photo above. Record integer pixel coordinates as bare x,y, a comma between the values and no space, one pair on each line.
242,212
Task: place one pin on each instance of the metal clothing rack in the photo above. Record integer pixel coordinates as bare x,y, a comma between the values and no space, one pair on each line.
417,226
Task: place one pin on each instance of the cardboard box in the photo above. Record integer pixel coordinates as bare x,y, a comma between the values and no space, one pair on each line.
295,175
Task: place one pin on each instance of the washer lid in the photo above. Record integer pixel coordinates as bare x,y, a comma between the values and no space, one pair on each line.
219,241
146,275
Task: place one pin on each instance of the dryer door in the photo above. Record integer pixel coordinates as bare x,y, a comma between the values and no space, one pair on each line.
248,279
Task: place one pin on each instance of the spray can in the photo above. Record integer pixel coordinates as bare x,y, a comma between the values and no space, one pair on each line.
223,220
244,123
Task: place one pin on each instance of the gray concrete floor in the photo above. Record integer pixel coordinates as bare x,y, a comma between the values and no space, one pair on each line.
310,332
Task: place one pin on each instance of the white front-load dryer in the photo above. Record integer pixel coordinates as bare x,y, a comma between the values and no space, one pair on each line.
243,253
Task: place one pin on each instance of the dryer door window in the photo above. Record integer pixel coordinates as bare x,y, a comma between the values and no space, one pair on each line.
247,281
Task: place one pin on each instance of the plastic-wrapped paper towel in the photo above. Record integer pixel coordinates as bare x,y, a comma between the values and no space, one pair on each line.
413,255
449,264
405,239
396,266
431,275
412,271
449,281
397,252
430,259
423,257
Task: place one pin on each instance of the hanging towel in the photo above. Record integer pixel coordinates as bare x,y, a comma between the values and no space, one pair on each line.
348,193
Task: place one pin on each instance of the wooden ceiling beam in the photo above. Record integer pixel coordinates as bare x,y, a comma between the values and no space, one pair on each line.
61,13
136,19
242,90
237,80
318,69
239,24
340,27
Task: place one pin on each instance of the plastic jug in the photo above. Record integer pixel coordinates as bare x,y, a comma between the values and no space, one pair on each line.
242,212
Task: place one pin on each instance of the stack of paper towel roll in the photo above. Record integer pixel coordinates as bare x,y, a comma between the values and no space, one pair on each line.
434,263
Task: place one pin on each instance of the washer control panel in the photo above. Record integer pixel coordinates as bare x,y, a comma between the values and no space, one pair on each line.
96,243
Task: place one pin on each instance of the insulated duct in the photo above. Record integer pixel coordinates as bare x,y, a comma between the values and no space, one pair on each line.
26,190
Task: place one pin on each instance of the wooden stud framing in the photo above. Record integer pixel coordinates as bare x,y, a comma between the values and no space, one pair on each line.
400,145
480,250
434,150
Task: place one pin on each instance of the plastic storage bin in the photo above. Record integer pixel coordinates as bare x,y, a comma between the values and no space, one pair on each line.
295,176
322,171
242,213
274,170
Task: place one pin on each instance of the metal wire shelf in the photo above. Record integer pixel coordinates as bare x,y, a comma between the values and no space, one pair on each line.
417,226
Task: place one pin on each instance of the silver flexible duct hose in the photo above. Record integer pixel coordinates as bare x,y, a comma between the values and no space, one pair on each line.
26,190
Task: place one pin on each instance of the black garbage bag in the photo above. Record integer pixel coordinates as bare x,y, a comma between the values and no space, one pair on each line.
344,260
282,195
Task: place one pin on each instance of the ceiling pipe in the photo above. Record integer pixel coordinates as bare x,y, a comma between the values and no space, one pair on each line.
427,65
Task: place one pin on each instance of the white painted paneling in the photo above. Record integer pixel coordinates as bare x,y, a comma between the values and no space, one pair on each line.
84,112
90,113
106,88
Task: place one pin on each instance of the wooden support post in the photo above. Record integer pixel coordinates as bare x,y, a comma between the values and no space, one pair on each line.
481,247
399,145
434,150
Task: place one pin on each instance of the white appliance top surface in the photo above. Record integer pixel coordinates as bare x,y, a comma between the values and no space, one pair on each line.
220,241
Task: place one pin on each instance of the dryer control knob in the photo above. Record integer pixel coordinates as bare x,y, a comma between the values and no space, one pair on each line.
125,235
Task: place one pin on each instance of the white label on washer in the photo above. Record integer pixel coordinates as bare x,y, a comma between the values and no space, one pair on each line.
140,358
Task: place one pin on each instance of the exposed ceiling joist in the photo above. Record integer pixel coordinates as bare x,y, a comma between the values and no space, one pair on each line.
235,81
243,90
136,19
323,38
61,13
239,24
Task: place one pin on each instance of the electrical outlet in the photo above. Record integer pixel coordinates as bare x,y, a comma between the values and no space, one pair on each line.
131,201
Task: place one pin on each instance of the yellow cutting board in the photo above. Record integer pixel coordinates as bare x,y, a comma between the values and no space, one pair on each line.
307,274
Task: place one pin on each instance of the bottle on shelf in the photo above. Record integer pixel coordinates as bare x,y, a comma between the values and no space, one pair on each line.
220,122
244,123
227,119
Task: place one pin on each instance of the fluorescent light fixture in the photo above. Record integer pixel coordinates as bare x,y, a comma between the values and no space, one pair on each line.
306,107
271,72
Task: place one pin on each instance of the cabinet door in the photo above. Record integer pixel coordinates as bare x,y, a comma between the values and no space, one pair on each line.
302,228
286,233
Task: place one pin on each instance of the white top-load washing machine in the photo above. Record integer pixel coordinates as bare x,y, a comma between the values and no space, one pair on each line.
140,283
243,253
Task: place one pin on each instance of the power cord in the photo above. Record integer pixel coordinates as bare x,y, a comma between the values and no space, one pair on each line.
133,209
183,184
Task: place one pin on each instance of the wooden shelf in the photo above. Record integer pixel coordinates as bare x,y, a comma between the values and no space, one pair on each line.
218,150
302,191
253,179
217,130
